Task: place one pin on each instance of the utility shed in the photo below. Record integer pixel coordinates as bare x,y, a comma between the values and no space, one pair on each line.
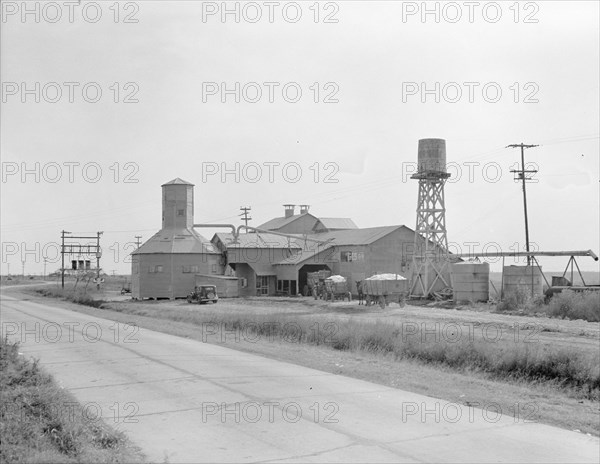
166,265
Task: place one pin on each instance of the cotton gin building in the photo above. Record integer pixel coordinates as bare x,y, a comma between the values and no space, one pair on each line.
166,265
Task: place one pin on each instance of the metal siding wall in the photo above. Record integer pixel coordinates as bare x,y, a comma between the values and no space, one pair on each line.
287,272
183,283
178,197
350,269
258,256
386,255
245,271
178,285
135,277
155,285
383,256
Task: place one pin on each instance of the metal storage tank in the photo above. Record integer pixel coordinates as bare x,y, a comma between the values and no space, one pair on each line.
522,277
470,281
432,155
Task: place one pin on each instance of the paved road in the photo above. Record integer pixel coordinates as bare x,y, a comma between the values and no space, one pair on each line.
182,400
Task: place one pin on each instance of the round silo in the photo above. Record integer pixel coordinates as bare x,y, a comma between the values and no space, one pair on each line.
470,282
432,156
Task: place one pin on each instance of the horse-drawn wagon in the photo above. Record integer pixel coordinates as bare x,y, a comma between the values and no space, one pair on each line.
385,289
336,288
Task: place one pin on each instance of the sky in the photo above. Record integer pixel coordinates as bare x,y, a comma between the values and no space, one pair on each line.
102,102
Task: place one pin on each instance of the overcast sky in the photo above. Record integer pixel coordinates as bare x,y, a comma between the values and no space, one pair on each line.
369,74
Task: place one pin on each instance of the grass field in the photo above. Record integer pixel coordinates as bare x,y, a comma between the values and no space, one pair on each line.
548,360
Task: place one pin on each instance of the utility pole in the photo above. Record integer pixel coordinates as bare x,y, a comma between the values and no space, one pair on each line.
522,175
98,255
62,255
45,261
245,217
138,241
23,263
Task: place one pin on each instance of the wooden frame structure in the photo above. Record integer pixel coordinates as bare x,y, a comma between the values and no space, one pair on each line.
432,254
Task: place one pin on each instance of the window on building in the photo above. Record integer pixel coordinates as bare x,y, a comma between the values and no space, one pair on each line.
155,269
262,285
214,269
180,212
190,269
243,282
351,256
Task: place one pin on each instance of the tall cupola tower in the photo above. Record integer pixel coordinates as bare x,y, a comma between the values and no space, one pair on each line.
177,204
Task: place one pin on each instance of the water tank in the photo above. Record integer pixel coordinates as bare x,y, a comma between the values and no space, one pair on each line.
432,155
471,282
522,278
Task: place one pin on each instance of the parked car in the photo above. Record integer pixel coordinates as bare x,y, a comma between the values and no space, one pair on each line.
203,294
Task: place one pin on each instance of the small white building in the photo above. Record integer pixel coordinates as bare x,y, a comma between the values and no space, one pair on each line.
167,264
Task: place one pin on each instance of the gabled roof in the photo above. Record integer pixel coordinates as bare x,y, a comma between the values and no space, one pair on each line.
176,241
278,223
260,240
338,223
304,255
356,236
178,181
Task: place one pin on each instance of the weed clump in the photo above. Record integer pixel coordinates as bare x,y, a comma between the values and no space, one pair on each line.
39,422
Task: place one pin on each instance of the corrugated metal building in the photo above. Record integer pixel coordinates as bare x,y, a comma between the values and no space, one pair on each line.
254,256
166,265
355,254
270,264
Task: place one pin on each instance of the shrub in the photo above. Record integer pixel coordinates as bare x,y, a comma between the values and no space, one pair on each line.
40,422
576,305
518,299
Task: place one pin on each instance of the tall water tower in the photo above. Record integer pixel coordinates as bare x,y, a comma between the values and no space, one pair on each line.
431,270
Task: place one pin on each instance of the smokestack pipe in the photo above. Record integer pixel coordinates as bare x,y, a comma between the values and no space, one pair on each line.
289,210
